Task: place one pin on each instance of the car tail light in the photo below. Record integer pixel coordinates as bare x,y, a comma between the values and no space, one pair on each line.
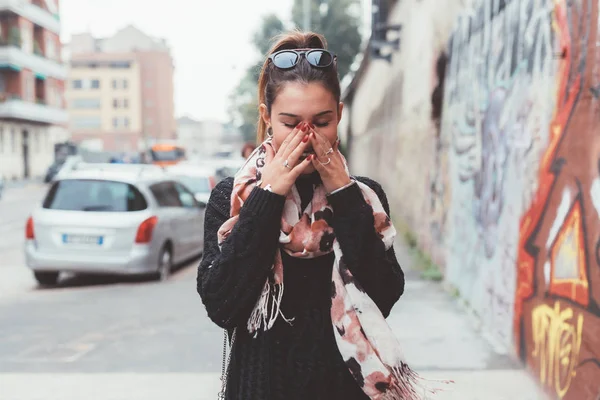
144,232
29,232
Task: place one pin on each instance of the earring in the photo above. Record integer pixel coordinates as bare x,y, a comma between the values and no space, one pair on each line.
270,132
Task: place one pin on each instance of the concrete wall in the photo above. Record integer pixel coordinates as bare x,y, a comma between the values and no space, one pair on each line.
506,193
392,133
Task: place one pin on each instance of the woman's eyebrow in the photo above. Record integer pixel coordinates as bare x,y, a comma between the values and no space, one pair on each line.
296,116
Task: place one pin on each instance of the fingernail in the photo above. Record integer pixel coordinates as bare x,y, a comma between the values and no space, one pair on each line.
299,126
305,139
304,127
311,126
310,157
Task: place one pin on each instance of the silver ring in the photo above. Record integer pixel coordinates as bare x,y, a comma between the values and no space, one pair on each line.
286,164
328,152
328,161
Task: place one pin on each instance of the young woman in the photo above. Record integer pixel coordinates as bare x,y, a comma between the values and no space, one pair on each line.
298,262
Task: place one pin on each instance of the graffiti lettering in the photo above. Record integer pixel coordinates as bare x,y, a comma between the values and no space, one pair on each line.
557,341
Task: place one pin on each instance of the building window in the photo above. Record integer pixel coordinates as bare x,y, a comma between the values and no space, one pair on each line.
86,84
84,103
2,84
120,84
13,140
120,103
120,64
87,122
120,122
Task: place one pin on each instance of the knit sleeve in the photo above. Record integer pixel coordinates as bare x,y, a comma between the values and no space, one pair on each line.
376,269
230,278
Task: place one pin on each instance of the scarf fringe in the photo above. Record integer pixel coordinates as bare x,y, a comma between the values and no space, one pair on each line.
267,308
408,385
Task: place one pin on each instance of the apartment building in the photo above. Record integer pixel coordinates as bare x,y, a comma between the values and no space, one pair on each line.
120,91
32,75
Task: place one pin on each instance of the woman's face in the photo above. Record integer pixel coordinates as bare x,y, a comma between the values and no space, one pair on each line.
300,102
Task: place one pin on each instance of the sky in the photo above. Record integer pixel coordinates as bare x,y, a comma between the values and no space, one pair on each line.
211,47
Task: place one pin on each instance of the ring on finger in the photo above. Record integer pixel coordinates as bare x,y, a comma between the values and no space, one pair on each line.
328,152
328,161
286,164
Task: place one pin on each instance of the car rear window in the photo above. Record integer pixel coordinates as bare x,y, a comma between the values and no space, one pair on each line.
94,195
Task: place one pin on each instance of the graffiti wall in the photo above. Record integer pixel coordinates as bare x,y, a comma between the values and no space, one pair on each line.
522,116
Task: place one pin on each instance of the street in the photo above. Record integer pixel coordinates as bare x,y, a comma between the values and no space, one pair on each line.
87,323
114,338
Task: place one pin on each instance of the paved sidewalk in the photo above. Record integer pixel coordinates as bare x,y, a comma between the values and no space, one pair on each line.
440,342
437,336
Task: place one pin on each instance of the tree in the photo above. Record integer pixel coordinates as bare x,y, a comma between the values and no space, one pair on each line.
243,101
339,22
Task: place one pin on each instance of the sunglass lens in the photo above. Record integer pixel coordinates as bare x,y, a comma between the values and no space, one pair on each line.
319,58
286,59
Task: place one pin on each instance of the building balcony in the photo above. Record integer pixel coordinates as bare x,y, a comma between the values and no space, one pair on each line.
38,112
33,13
17,59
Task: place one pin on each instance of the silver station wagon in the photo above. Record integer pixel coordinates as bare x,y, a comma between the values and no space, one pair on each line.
113,219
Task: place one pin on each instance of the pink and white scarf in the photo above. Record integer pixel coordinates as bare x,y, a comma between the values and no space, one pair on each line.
364,339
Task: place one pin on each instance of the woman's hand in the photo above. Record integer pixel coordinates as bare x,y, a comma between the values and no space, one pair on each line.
283,170
328,163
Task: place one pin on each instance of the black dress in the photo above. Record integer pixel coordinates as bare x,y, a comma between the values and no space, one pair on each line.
301,360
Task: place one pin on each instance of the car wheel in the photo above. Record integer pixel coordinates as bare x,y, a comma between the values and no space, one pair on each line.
165,264
46,278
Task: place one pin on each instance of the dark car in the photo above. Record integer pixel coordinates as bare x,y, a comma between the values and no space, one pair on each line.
53,170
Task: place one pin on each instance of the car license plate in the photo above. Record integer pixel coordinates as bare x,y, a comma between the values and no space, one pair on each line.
83,239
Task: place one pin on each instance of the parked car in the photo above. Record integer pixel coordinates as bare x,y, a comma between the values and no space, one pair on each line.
113,219
201,180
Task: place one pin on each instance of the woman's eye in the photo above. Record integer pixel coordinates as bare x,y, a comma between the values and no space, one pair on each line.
289,125
322,125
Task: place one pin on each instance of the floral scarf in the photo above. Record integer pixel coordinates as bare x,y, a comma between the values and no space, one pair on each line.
368,346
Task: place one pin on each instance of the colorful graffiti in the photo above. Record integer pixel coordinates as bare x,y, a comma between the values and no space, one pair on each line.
558,259
522,111
498,102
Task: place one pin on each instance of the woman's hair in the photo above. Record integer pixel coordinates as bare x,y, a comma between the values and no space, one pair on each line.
272,78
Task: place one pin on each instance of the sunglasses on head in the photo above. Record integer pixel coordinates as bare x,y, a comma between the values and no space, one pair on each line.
286,59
